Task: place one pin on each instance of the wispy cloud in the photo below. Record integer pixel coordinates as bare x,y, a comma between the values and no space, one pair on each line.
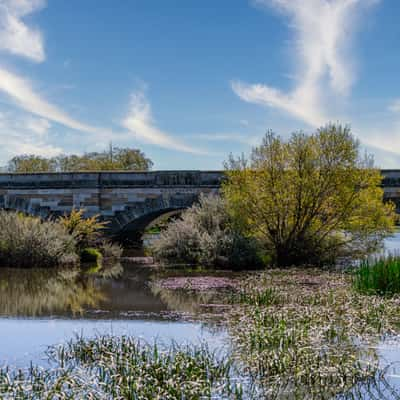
22,94
394,106
24,134
322,30
16,36
230,137
139,121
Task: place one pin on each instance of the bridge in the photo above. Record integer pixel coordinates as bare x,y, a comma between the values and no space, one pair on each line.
128,200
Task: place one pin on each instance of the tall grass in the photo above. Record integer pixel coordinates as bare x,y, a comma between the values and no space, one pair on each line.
109,367
379,275
29,242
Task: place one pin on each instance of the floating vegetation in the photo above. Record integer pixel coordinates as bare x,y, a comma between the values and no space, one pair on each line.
307,335
109,367
379,275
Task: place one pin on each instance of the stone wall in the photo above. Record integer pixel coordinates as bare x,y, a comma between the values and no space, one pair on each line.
119,197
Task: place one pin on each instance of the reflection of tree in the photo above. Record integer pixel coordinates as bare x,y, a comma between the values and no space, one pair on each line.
37,292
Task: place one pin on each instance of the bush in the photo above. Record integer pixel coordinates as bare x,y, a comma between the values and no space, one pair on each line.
204,235
85,230
29,242
91,255
380,275
109,249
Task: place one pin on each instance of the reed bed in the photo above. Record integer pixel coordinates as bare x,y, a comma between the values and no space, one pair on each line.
307,335
379,275
108,367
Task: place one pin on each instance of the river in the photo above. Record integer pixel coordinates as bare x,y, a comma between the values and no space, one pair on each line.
39,308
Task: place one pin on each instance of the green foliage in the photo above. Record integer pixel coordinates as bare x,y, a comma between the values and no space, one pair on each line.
310,199
114,159
27,163
378,275
204,236
86,231
110,367
29,242
91,255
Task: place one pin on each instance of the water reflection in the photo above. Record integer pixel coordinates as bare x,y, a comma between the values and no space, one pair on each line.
44,292
112,292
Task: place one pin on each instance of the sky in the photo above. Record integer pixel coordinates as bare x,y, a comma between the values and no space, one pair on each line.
190,81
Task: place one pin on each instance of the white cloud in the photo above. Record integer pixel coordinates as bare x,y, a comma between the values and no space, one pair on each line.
323,30
40,126
24,134
20,91
230,137
15,36
394,106
140,122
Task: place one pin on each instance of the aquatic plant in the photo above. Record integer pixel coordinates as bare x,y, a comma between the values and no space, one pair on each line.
108,367
306,334
29,242
378,275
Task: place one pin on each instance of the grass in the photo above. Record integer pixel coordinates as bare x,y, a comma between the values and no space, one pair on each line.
110,367
307,334
380,275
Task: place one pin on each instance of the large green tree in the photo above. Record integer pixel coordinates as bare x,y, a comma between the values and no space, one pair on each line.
115,158
311,198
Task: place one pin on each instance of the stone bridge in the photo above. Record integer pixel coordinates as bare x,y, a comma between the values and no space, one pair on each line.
128,200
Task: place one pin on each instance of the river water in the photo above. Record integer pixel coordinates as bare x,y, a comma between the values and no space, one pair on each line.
39,308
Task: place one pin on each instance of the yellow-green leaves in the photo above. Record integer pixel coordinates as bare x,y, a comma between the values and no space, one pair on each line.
310,198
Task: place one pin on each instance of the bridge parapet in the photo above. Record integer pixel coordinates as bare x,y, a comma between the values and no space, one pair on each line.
128,200
118,197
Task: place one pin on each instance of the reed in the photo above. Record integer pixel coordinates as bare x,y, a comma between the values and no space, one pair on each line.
379,275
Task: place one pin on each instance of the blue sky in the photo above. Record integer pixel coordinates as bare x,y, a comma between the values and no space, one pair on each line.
189,81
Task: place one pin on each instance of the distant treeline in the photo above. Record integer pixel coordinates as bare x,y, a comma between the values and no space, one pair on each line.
113,159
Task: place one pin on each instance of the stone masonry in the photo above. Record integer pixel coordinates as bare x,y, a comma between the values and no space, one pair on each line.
128,200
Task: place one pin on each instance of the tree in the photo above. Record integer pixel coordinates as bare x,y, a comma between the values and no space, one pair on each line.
30,163
309,199
114,159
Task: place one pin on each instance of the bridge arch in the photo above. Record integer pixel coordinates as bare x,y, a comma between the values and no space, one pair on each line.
127,200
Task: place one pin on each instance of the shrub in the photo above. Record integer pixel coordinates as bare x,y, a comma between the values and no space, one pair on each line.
29,242
90,254
204,235
85,230
379,275
109,249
